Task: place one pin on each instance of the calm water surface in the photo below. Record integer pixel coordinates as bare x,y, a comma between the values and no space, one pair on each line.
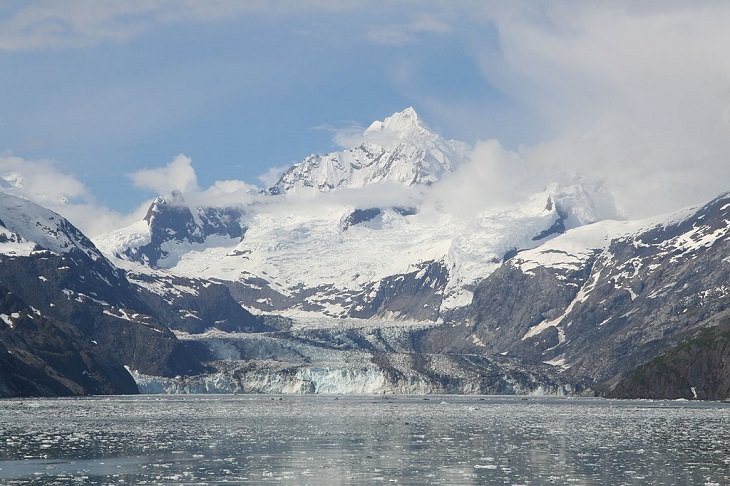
362,440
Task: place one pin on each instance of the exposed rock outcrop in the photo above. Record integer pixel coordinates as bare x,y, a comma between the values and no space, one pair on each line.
696,369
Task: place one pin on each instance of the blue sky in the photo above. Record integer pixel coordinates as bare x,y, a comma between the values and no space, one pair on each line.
238,94
97,91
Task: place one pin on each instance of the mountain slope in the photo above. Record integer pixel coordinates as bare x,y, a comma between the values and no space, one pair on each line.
357,234
41,356
170,221
331,258
699,368
602,299
363,242
66,308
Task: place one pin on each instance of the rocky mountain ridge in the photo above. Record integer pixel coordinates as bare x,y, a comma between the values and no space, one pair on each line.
72,320
364,256
399,149
600,300
351,289
375,249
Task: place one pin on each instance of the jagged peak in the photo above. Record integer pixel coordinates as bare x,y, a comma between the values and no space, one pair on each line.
175,199
398,149
401,126
403,120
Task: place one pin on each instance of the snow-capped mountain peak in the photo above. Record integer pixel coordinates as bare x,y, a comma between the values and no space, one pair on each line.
399,149
401,121
404,126
27,227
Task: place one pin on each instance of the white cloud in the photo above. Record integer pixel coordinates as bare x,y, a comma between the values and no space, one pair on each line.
350,134
493,177
49,24
41,178
44,183
638,97
384,195
224,193
271,176
633,94
177,175
84,23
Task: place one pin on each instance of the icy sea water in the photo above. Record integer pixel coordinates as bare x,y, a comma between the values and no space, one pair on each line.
316,440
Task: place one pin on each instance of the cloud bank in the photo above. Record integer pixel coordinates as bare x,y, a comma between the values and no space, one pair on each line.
408,32
637,95
44,183
177,175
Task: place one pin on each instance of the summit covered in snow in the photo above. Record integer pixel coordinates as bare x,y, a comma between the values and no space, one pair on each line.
399,149
26,227
355,274
351,233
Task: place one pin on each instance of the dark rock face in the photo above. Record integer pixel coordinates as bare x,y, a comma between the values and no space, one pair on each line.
46,278
40,356
359,216
619,308
654,290
416,295
257,292
558,227
697,369
72,319
87,301
405,211
196,305
175,221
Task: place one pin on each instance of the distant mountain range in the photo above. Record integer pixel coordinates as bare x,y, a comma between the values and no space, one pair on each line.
345,277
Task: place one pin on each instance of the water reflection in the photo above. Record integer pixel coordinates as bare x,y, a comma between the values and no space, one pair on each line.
362,440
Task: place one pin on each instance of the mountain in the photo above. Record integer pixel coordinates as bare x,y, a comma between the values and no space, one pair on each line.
366,242
602,299
536,297
699,368
329,257
170,221
43,356
184,303
72,320
369,279
399,149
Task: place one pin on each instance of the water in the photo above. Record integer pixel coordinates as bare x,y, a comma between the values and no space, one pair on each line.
362,440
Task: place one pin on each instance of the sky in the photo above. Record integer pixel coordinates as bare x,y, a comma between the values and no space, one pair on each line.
105,104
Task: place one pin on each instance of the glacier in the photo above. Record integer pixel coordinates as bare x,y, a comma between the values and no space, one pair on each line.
359,234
